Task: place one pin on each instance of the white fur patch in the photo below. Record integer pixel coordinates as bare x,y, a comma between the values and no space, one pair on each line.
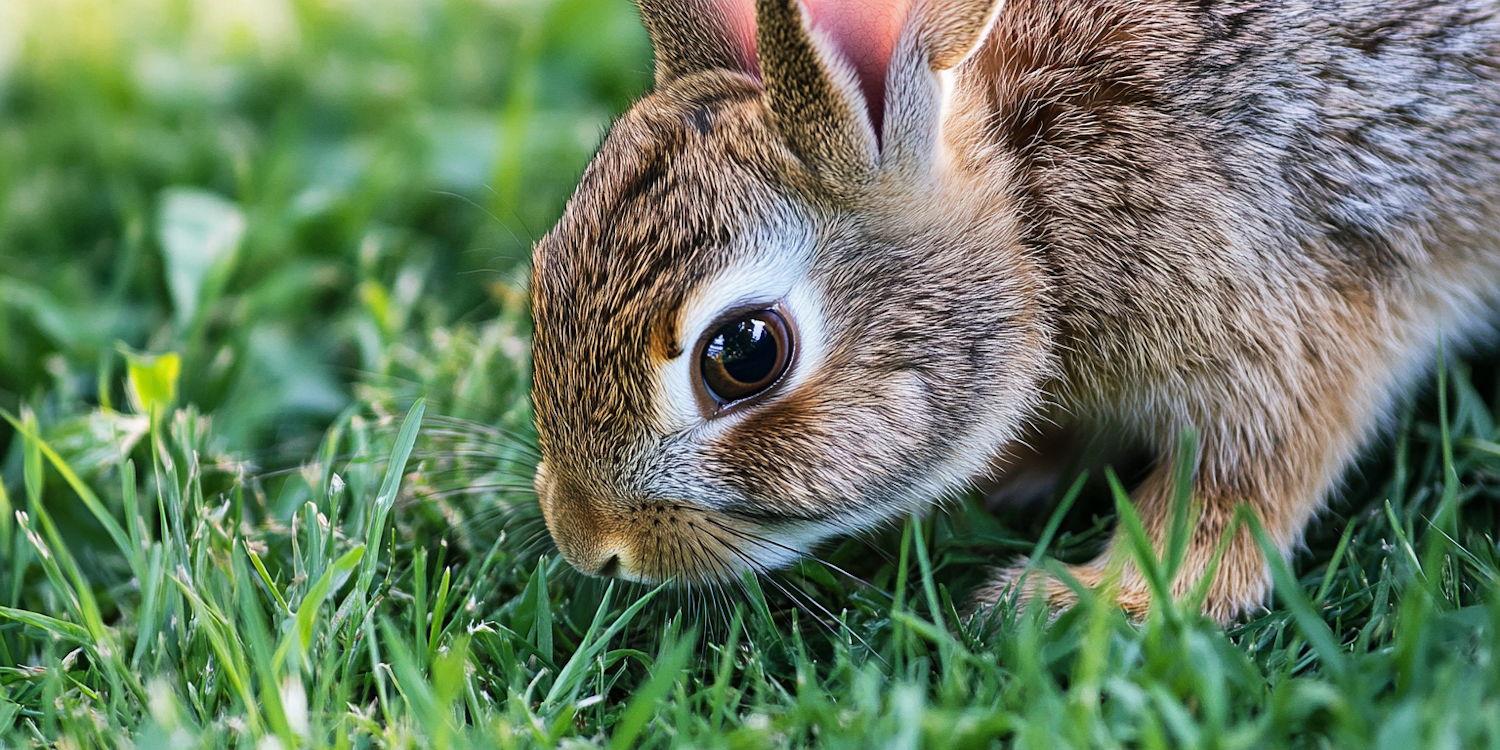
786,544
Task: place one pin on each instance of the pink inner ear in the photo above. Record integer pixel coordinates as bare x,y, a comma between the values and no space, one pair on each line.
739,23
863,31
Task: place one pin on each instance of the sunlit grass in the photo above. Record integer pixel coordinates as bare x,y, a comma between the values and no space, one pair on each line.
248,248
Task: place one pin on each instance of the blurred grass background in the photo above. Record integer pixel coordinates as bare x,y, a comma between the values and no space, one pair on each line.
240,239
386,165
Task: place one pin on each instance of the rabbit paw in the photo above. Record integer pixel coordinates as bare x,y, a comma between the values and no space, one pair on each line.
1040,587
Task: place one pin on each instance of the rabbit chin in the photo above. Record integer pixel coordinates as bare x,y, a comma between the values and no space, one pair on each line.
750,547
700,545
720,547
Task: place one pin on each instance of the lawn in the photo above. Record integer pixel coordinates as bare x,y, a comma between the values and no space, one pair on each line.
266,448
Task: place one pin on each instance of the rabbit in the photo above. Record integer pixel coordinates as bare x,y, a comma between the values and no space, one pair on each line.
846,256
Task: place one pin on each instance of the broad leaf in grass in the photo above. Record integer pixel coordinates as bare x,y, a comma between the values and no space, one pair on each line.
200,235
153,380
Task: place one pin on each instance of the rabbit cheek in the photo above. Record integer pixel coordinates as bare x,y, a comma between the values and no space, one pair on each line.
834,458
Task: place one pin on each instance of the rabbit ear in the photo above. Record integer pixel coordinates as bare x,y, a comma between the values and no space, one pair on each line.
946,31
842,75
691,36
814,94
838,74
939,36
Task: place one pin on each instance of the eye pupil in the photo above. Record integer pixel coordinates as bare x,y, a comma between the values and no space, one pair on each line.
746,356
749,353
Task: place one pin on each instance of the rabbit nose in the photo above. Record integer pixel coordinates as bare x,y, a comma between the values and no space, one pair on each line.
584,533
598,556
594,554
605,562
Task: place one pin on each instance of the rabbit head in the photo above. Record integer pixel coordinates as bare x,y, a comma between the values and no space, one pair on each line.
779,307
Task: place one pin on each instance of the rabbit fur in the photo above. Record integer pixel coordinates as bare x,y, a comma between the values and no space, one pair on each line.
1254,220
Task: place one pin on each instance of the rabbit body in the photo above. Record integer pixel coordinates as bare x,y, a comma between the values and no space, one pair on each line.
1255,220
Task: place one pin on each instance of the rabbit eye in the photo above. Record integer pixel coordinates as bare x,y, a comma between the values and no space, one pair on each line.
745,356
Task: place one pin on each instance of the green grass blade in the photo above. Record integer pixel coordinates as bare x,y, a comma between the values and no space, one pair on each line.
439,611
267,582
1309,623
924,566
307,611
27,431
1143,552
153,599
757,597
569,679
1055,521
67,578
1337,559
395,470
646,702
214,626
7,522
59,628
1184,519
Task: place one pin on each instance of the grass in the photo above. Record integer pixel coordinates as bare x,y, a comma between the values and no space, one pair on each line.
247,248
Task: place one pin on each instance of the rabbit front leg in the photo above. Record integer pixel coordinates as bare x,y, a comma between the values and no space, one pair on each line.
1277,451
1281,496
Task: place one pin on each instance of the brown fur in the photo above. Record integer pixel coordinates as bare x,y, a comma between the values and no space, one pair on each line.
1244,218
